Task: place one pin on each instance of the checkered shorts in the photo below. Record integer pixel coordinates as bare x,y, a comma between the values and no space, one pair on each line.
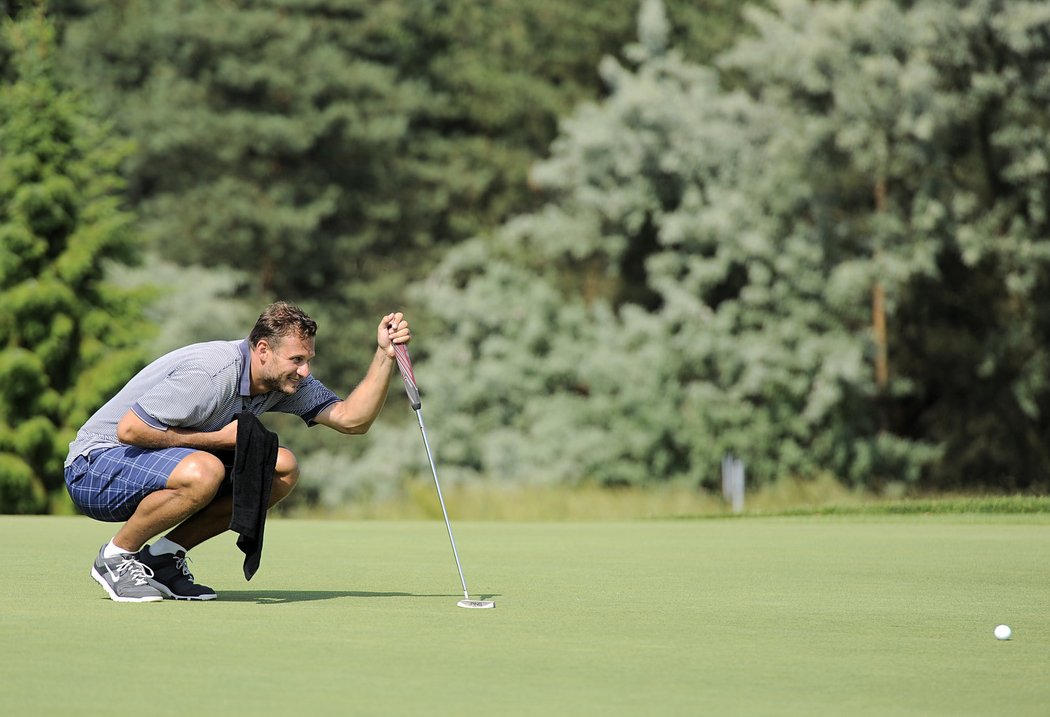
108,485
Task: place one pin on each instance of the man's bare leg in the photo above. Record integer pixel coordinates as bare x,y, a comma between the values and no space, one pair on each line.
214,519
191,486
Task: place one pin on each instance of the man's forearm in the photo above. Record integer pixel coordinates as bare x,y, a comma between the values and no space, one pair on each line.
133,431
356,414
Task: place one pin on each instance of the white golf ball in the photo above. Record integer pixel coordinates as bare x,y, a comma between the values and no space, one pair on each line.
1003,632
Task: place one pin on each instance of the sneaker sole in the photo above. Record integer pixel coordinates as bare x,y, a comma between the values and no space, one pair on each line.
113,596
164,589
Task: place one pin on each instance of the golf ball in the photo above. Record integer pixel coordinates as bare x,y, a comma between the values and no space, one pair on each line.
1003,632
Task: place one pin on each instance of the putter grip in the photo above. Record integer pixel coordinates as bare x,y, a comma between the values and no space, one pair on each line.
404,365
413,395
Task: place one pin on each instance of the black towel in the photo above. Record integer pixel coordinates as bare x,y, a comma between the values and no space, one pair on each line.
252,477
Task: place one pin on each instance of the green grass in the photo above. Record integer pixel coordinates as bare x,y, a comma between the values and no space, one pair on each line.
815,615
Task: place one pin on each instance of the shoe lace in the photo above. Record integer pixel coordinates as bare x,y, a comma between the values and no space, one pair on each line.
137,571
182,563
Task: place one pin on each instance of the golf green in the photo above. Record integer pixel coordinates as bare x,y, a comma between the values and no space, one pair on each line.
752,616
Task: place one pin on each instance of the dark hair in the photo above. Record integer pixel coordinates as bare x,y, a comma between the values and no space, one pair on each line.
282,319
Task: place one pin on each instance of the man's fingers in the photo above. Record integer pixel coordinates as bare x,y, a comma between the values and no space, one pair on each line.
397,331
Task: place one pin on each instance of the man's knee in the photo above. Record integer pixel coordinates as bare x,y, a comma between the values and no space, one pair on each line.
198,475
286,473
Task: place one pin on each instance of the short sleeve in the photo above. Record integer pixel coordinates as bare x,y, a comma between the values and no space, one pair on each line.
311,398
187,398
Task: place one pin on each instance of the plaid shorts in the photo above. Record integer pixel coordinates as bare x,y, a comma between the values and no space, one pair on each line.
109,485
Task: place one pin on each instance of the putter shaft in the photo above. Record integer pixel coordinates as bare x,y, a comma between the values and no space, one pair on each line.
441,500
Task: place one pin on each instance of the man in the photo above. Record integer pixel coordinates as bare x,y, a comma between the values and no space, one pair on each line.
153,456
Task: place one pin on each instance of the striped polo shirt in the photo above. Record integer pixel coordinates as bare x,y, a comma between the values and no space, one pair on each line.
201,387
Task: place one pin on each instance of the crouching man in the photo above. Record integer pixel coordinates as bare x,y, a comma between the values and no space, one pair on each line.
157,457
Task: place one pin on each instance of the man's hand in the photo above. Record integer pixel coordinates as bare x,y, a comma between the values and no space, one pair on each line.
393,329
227,435
357,413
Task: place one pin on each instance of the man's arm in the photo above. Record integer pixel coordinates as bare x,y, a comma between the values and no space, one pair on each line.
356,414
359,411
133,431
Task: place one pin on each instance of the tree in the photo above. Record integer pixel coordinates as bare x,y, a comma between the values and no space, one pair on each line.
332,150
869,151
926,125
550,366
68,339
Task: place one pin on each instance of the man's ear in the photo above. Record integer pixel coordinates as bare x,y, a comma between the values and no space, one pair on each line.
263,349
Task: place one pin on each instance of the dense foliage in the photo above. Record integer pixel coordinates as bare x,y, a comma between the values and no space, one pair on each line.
713,267
633,237
68,340
332,149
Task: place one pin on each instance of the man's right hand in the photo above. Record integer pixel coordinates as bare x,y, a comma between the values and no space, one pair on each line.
228,434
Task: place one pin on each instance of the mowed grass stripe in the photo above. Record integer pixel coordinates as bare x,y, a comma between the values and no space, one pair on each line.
782,616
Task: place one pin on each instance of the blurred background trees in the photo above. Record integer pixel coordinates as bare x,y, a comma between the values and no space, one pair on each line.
754,266
632,236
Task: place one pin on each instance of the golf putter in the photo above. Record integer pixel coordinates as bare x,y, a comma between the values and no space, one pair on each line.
404,365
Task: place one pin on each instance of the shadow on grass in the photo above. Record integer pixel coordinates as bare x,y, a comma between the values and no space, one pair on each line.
276,597
268,597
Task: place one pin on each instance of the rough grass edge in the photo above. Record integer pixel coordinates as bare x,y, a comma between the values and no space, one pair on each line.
981,505
417,500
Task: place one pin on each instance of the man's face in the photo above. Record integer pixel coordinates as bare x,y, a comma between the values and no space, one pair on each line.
286,363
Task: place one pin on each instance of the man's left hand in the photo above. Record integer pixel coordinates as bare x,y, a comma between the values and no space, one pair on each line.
393,329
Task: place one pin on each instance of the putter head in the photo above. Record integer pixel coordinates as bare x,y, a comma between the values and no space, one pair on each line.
476,603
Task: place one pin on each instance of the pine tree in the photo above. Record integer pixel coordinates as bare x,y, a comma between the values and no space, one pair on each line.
549,366
713,269
926,142
68,339
333,149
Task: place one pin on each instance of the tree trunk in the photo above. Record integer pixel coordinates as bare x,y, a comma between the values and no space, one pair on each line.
878,302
